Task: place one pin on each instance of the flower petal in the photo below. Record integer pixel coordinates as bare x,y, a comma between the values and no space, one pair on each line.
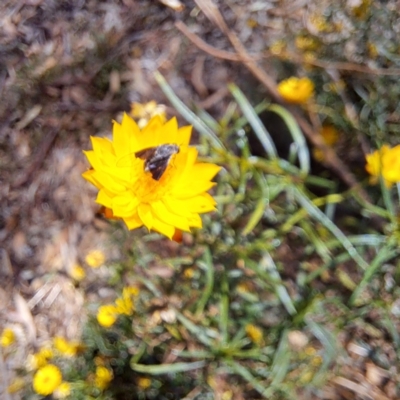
133,222
168,217
124,205
145,215
124,136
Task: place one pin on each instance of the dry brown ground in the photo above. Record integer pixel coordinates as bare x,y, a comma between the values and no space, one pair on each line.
68,67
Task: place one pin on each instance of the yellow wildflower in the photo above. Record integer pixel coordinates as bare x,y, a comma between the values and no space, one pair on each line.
144,112
304,42
77,272
150,177
188,273
144,383
385,162
103,377
319,22
107,315
63,391
124,305
95,258
66,348
7,337
16,385
39,359
254,333
277,47
47,379
130,291
296,90
330,136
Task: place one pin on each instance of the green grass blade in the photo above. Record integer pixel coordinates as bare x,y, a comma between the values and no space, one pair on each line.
209,268
267,264
316,213
186,113
297,135
385,254
259,129
246,375
167,368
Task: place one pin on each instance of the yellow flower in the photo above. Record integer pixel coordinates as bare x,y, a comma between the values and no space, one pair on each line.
330,136
144,112
66,348
131,291
144,383
385,161
47,379
77,272
254,333
124,305
95,258
16,385
163,188
39,359
103,377
107,315
7,337
63,391
296,90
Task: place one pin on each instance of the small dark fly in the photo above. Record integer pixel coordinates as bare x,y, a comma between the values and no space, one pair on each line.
157,158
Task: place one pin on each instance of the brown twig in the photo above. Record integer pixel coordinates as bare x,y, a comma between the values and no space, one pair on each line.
332,160
202,45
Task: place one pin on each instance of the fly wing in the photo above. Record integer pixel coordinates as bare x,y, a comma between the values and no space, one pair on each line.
146,154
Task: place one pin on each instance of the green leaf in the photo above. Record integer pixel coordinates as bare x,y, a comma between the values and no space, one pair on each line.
167,368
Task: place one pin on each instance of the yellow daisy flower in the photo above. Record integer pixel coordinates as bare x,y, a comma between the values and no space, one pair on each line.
107,315
77,272
124,305
95,258
254,333
296,90
39,359
47,379
103,377
150,177
385,161
16,385
142,113
66,348
63,391
143,382
330,136
7,337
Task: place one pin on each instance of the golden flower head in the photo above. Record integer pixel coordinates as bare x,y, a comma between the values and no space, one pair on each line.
385,162
47,379
7,337
103,377
330,136
143,382
95,258
66,348
143,113
16,385
254,333
63,391
39,359
150,177
107,315
296,90
77,272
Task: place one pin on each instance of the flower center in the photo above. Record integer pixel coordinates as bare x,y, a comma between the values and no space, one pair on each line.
148,190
